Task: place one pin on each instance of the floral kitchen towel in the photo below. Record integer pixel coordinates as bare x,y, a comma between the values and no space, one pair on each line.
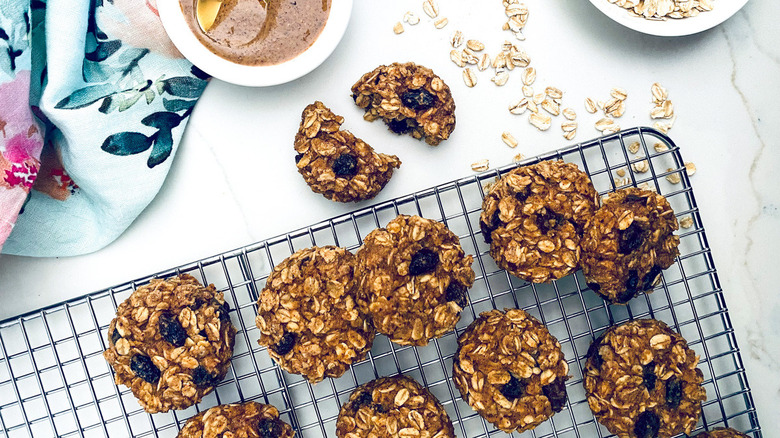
93,102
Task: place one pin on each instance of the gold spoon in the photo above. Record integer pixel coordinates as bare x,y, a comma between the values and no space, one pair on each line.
206,12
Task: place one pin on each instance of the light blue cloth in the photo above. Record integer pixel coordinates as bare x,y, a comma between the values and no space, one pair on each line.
112,97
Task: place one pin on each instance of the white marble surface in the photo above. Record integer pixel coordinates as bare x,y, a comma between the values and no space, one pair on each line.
232,182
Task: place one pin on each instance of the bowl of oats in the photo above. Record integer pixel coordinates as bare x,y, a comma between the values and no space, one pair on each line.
256,43
669,17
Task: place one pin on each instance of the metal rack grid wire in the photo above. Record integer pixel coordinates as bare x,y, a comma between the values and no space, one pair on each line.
55,382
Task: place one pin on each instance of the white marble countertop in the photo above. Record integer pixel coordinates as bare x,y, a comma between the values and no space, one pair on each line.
232,182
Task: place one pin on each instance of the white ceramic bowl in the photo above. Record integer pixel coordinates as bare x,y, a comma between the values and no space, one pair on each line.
254,76
722,10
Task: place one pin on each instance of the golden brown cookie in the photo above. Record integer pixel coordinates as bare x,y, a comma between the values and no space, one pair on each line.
641,381
627,244
391,407
335,163
722,432
171,343
409,98
414,279
533,219
308,317
511,370
245,420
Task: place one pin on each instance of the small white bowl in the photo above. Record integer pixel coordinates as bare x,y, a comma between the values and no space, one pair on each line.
721,11
254,76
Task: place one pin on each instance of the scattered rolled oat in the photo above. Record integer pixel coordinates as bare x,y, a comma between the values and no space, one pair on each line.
480,166
621,172
469,77
641,166
569,113
634,147
519,107
529,75
660,147
509,139
553,92
528,91
690,168
411,18
398,28
570,134
441,22
518,158
457,57
618,93
457,39
484,62
673,178
500,78
686,222
475,45
542,122
590,105
431,8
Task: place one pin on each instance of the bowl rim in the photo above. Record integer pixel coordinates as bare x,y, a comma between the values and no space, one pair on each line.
721,11
191,48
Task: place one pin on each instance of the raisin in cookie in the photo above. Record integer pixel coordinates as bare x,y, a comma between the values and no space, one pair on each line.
308,317
533,218
628,243
722,432
511,370
335,163
410,99
391,407
171,343
641,381
414,279
246,420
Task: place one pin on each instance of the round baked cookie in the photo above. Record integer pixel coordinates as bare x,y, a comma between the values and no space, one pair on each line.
510,370
391,407
628,243
409,98
641,381
722,432
335,163
308,317
414,279
533,218
171,342
245,420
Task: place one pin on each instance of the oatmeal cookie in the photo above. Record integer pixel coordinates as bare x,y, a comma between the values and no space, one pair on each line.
414,279
533,219
391,407
641,381
722,432
510,370
628,243
307,314
335,163
245,420
171,342
410,99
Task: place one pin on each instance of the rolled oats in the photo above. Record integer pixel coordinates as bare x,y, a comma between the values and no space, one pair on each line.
500,78
439,23
634,147
569,113
409,98
308,316
411,18
414,279
541,121
391,407
529,75
509,139
590,105
660,147
638,388
431,8
335,163
690,168
628,243
475,45
673,177
686,222
536,204
510,370
398,28
161,347
480,166
640,166
469,77
457,39
237,420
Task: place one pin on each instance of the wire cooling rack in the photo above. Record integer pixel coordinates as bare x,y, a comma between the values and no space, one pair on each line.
55,382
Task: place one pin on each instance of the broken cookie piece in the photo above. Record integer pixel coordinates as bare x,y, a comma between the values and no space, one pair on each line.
410,99
334,162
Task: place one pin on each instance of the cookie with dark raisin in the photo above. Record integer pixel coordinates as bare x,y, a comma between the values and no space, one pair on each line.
642,381
628,243
335,163
722,432
308,316
393,407
511,370
250,419
533,218
171,342
414,279
409,98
